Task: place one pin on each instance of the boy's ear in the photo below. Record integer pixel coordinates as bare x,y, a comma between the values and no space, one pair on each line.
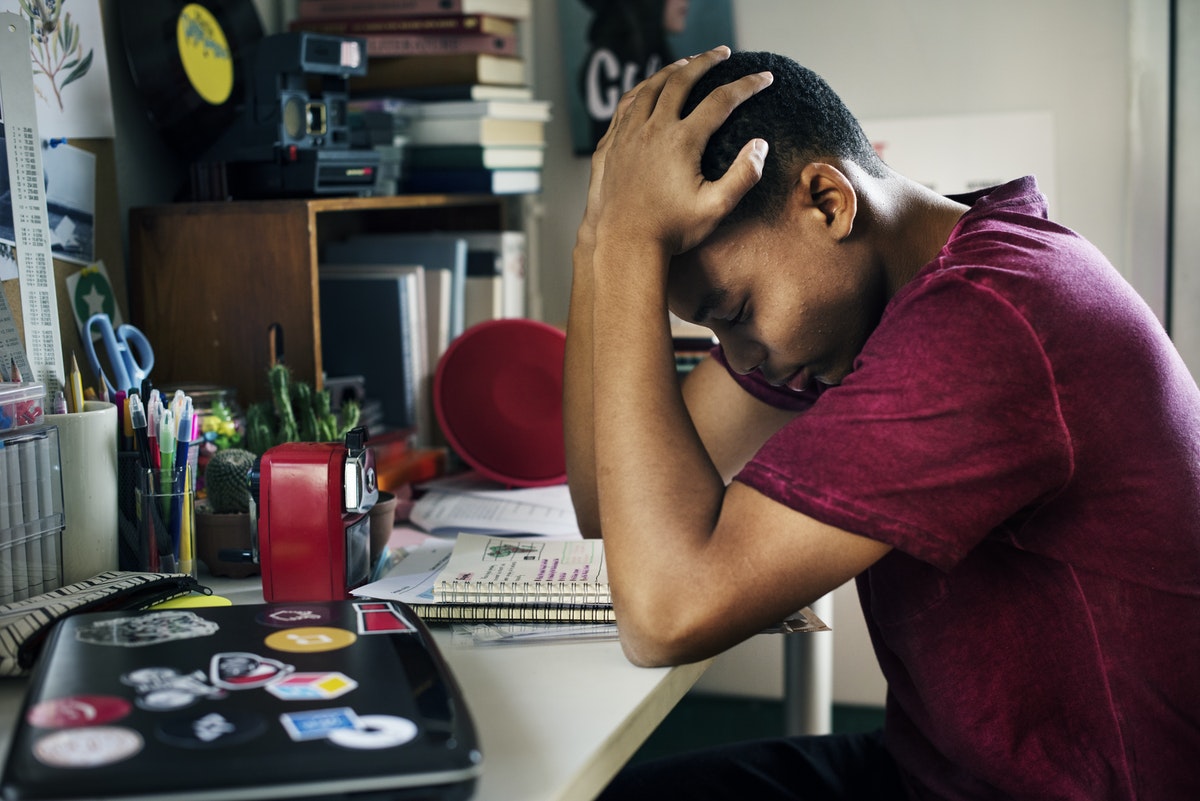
824,190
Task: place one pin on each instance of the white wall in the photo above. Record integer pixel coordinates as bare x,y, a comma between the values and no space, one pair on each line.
1185,323
1097,65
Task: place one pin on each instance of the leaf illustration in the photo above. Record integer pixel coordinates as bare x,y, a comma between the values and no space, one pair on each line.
81,70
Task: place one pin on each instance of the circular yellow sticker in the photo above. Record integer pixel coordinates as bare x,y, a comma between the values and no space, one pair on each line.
205,54
310,639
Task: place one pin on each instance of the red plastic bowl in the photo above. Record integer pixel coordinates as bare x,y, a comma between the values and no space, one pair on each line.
497,394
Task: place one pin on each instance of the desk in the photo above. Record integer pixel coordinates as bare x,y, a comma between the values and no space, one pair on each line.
555,721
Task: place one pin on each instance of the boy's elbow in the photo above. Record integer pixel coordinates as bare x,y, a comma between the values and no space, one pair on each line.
654,637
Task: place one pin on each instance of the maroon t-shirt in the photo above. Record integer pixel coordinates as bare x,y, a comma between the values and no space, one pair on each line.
1022,432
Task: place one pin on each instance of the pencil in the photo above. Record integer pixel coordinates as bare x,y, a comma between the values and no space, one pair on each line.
76,385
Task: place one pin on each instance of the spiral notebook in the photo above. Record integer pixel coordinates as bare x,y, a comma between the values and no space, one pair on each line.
291,701
514,579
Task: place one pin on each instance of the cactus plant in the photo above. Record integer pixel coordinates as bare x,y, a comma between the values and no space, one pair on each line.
225,480
295,413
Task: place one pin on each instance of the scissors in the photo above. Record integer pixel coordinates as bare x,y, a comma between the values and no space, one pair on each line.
129,353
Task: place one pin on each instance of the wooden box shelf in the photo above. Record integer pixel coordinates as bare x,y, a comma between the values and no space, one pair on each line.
208,280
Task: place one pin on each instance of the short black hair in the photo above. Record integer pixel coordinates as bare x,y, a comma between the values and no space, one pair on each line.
799,115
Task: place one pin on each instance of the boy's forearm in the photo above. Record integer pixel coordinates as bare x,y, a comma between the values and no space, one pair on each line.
578,417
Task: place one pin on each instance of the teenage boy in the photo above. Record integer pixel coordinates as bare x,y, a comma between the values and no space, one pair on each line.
951,399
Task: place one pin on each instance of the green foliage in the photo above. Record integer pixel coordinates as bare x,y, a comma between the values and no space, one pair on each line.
56,44
295,413
226,482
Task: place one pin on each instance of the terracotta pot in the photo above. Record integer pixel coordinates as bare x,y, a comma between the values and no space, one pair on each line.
216,533
383,519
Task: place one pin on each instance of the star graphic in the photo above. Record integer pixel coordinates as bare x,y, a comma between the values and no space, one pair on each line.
94,300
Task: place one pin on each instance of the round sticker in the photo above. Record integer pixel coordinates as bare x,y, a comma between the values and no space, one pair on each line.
310,639
375,731
205,53
78,710
212,730
87,747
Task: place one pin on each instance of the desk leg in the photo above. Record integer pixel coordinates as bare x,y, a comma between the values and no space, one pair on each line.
808,677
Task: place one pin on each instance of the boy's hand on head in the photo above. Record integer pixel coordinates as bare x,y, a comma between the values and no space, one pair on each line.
646,179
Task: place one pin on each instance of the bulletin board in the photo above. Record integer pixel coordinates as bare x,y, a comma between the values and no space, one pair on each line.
73,105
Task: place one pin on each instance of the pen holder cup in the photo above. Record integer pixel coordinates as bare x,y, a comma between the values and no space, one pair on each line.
87,443
165,510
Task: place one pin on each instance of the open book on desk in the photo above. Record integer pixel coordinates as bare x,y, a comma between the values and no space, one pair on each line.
480,578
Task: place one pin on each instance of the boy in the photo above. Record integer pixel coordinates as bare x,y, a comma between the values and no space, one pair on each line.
952,399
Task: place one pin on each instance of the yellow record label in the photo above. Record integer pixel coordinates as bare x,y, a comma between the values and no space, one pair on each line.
205,54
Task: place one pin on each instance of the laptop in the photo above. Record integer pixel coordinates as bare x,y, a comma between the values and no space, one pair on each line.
341,699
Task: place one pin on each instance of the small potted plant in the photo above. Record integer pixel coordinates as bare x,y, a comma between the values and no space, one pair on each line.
223,517
295,413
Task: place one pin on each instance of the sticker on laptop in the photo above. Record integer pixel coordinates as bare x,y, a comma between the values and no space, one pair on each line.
77,710
380,618
310,639
342,726
312,686
291,616
162,689
148,629
212,729
316,724
240,670
375,731
87,747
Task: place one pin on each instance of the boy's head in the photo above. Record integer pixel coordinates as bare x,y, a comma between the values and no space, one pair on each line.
800,117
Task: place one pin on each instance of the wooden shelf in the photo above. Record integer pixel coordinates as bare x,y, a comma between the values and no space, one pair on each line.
209,279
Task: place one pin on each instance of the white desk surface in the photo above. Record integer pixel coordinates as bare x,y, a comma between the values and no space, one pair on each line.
555,721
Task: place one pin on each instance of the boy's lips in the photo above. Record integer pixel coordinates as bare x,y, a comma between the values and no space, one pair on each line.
799,381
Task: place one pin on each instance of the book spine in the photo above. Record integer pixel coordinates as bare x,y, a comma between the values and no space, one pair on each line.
512,613
537,593
342,9
425,26
512,262
393,73
410,356
400,44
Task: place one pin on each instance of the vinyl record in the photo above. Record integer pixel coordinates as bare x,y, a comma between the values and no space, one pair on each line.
497,393
187,62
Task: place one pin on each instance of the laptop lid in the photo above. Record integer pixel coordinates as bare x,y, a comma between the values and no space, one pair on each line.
286,700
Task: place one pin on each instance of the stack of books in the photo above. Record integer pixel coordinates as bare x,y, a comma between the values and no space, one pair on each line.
447,85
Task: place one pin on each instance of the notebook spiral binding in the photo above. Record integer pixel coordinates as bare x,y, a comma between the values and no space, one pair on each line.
530,593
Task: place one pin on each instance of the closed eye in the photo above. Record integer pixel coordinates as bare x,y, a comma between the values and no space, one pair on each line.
740,316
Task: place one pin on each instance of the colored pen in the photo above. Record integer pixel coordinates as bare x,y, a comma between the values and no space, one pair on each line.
183,442
137,415
126,421
154,422
166,448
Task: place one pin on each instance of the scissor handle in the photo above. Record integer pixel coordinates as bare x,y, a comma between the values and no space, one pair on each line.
128,371
135,342
120,378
